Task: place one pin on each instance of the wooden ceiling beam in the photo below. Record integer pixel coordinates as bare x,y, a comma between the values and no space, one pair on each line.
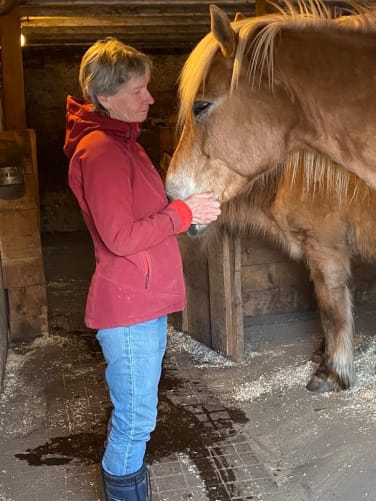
138,8
168,21
147,23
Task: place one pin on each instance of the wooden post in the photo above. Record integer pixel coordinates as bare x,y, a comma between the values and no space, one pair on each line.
226,307
195,320
13,98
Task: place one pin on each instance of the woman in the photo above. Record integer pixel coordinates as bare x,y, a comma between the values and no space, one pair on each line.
138,278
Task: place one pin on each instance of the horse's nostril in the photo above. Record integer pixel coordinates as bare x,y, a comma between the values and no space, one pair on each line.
169,199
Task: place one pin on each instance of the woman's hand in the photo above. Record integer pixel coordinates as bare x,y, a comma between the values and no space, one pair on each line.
205,207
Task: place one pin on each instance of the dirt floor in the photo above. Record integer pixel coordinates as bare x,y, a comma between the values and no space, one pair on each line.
225,431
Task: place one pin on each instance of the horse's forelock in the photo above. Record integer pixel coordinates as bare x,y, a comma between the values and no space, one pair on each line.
193,74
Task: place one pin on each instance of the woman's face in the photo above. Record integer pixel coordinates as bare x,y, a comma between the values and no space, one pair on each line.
131,102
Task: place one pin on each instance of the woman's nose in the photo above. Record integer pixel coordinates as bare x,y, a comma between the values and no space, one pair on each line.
149,98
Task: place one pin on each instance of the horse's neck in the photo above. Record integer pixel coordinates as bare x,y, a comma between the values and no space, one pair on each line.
330,78
325,60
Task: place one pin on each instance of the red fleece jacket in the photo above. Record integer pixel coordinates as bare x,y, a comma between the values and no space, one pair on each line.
138,274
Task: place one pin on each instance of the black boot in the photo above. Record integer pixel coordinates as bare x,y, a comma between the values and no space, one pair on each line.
133,487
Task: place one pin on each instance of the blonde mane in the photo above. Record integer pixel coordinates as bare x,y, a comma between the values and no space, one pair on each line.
312,178
256,36
324,178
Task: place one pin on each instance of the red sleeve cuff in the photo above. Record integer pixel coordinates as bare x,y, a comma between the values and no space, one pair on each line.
184,213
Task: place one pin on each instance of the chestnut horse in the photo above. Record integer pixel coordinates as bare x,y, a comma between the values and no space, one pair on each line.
255,90
254,93
323,215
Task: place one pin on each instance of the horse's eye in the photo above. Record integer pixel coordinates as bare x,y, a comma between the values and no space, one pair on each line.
200,106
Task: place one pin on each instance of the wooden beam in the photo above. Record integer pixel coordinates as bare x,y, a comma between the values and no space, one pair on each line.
226,308
154,24
13,97
196,317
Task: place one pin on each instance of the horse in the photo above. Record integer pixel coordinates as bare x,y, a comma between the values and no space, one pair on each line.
320,213
261,95
256,90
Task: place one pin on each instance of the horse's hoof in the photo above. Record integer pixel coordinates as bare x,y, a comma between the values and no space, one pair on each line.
320,385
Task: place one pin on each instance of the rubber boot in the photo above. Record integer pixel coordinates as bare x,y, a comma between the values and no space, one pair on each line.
133,487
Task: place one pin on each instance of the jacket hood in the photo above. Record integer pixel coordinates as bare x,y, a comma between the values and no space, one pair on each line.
81,120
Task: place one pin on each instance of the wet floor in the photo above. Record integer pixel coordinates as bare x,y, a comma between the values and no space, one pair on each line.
225,431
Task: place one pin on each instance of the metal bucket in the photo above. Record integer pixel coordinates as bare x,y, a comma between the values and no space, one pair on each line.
12,182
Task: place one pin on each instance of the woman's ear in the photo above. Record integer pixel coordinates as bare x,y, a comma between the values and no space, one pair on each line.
103,101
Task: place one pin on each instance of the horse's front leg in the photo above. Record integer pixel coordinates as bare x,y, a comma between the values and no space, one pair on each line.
330,269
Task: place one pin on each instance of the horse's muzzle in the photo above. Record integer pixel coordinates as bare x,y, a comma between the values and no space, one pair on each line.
193,231
196,229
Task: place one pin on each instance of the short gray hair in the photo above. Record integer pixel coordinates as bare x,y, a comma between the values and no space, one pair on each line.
107,65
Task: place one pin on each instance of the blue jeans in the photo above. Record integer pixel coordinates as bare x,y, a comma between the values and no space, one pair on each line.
134,357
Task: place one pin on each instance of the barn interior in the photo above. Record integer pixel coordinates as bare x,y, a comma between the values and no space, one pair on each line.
236,421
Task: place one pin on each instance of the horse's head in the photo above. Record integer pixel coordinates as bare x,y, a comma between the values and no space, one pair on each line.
204,158
224,142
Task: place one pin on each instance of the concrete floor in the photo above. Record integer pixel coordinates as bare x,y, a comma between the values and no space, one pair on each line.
225,431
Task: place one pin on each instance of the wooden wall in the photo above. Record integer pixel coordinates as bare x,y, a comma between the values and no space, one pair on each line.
234,280
237,280
20,239
271,281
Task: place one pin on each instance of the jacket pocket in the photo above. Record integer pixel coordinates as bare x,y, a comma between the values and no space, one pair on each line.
146,258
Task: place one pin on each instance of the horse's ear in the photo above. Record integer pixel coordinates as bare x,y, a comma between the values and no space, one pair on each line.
239,17
222,31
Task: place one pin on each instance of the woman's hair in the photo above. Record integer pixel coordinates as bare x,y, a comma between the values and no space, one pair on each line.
107,65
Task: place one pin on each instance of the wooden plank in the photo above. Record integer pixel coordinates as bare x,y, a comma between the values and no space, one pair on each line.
272,282
20,234
257,250
226,314
273,301
17,147
135,7
14,114
23,272
288,274
129,23
196,318
27,312
237,347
